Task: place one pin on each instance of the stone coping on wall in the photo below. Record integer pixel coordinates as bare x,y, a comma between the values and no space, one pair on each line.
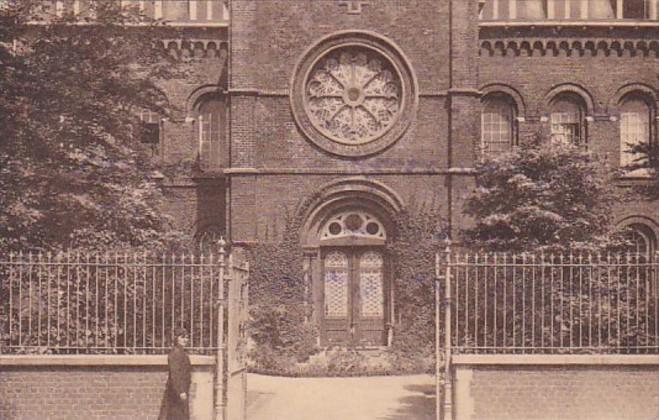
97,360
577,23
556,359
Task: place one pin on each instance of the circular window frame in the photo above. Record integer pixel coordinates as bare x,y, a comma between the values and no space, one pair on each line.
381,46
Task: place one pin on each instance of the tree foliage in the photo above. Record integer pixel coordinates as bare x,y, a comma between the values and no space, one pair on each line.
543,196
647,159
72,170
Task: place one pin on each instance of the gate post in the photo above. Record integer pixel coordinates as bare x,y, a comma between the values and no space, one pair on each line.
444,403
438,346
219,362
448,374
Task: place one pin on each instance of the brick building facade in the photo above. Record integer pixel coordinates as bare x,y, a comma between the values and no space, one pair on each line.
359,108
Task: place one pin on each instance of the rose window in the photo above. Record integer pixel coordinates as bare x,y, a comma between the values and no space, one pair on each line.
353,95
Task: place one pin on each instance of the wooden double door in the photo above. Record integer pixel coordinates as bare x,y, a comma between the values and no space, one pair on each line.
354,296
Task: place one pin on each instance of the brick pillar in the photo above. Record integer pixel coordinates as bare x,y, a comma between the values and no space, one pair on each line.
464,102
242,88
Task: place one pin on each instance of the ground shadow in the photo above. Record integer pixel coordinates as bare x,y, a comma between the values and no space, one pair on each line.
420,406
256,399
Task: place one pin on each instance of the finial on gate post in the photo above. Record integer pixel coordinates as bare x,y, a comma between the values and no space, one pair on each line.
220,344
222,251
447,249
445,403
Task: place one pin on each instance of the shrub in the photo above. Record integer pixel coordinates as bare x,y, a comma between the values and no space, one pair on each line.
543,196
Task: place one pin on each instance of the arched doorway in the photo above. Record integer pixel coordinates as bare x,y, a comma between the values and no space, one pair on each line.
348,271
354,280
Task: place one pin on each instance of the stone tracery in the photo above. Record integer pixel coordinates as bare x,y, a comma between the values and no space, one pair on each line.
353,95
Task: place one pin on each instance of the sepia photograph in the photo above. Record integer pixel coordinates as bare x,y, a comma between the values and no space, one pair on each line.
329,210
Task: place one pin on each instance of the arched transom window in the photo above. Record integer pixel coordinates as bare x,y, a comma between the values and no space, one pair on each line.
353,224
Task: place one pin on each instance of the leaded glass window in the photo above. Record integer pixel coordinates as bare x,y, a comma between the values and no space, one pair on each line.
336,285
371,294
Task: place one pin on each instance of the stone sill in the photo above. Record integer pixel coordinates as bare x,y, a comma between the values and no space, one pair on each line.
163,24
97,360
556,359
575,23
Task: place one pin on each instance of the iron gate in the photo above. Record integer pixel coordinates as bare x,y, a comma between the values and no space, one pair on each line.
231,375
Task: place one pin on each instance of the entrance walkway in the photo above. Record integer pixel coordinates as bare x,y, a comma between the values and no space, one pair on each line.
363,398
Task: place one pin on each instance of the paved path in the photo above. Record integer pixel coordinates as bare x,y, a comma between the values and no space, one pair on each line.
367,398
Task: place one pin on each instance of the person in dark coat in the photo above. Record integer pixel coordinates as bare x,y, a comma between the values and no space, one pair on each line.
175,401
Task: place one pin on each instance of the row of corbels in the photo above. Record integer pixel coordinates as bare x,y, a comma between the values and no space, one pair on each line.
195,47
567,47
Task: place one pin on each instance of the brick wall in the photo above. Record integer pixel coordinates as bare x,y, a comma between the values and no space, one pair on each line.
548,388
445,49
534,62
268,39
81,387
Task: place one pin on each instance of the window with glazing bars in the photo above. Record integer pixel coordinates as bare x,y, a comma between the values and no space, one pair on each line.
634,128
569,9
566,127
497,130
211,130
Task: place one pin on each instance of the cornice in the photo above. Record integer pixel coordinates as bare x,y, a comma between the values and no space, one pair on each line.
567,46
211,48
568,39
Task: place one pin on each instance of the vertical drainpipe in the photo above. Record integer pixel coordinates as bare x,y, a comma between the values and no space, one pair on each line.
228,162
449,154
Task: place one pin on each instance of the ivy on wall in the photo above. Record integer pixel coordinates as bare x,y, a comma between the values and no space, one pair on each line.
280,328
420,234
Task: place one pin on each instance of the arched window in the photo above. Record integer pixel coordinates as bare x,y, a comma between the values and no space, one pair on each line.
568,120
635,127
497,124
211,116
642,240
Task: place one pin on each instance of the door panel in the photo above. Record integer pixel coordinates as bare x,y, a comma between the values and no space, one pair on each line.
370,322
354,297
336,295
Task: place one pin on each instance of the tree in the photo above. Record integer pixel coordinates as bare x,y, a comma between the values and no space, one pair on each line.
72,172
543,196
647,158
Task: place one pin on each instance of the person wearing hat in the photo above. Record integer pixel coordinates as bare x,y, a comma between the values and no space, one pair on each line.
175,401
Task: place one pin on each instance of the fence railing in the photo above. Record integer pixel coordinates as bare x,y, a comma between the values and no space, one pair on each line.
110,303
503,303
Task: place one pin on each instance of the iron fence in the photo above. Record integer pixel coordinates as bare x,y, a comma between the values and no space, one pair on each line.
529,303
76,302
